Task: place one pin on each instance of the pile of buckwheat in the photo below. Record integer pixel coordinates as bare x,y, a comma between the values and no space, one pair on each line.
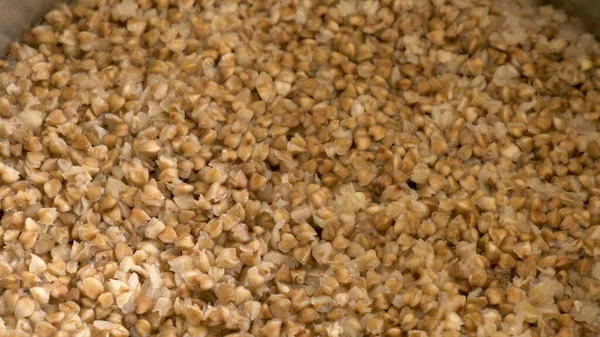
297,168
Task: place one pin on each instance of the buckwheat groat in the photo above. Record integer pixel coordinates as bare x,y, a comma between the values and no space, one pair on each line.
301,168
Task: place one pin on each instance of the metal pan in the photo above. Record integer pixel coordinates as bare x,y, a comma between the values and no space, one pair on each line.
16,16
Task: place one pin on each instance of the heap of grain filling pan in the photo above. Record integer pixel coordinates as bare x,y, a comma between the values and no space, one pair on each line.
300,168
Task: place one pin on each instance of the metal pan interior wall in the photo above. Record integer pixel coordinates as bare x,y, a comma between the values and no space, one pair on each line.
18,15
587,10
